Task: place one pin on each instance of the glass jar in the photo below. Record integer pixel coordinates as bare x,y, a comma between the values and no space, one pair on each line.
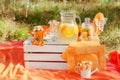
68,29
87,30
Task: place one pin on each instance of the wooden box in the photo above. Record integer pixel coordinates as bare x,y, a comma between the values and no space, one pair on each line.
44,57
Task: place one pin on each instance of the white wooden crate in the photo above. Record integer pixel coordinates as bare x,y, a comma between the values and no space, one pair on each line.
44,57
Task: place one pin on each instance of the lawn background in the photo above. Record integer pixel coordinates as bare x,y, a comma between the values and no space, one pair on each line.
17,17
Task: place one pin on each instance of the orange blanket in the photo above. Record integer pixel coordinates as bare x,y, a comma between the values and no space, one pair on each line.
11,68
82,51
19,73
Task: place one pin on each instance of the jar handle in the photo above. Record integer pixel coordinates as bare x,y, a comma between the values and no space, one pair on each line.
78,17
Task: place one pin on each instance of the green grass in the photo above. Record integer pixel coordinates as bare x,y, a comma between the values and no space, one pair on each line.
40,12
10,30
111,37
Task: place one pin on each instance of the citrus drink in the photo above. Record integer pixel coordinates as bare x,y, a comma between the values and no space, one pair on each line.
68,33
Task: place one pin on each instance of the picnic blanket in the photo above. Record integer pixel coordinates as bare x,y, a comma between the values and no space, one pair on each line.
12,67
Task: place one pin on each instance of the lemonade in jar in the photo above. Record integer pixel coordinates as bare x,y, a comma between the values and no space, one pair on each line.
68,29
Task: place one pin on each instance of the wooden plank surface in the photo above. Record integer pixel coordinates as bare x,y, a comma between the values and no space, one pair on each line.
45,48
43,57
47,65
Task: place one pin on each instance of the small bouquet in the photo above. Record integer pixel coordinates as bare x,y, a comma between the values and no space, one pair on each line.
38,34
83,65
84,69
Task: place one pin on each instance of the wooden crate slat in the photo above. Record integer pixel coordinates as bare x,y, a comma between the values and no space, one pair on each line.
47,65
43,57
45,48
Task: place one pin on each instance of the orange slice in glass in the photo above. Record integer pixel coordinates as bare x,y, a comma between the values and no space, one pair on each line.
67,30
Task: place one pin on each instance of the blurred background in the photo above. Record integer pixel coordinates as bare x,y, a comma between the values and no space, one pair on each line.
17,17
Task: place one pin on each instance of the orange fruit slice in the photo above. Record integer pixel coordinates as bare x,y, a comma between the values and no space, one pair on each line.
100,17
67,30
62,28
76,29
